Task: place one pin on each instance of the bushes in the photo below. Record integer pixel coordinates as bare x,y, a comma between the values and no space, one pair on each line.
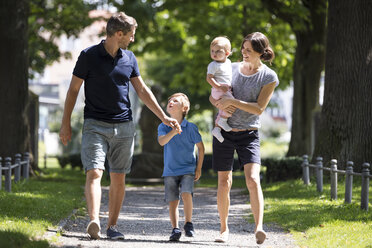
282,169
72,159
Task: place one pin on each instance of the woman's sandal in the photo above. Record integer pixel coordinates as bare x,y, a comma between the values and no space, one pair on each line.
260,236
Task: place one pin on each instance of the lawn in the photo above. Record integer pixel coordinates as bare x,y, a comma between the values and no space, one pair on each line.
40,203
314,219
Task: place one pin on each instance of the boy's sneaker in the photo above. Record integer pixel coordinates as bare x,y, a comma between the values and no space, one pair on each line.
113,233
176,234
189,229
93,229
216,132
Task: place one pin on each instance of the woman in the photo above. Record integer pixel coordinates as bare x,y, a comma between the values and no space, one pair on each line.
253,84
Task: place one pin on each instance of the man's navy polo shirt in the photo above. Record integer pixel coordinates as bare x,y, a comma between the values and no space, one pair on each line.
179,157
106,83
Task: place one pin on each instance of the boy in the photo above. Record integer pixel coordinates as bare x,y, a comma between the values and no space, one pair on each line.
180,166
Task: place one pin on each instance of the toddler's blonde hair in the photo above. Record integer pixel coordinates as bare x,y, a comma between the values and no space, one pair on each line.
223,42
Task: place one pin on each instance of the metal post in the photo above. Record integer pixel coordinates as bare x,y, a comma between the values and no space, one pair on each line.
305,170
319,174
333,179
8,174
17,169
349,182
1,172
45,160
25,169
365,187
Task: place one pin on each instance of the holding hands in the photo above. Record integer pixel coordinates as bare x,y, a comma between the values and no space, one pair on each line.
173,123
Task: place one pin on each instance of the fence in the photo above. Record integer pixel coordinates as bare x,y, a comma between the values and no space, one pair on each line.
334,172
20,166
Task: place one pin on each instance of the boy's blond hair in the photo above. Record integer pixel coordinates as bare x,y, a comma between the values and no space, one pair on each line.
185,102
223,42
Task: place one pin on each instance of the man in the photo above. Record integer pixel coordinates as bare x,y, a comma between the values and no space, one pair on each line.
107,69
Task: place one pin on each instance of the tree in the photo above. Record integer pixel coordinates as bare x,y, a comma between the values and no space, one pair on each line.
29,31
346,118
14,133
174,36
308,21
49,20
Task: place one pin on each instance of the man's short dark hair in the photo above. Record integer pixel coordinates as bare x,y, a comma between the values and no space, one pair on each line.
120,22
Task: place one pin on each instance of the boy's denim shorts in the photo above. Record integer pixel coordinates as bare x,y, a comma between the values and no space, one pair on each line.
112,140
176,185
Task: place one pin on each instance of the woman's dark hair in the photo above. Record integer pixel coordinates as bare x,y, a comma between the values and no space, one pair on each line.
120,22
261,45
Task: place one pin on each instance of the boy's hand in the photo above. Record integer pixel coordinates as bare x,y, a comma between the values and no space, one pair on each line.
173,123
197,175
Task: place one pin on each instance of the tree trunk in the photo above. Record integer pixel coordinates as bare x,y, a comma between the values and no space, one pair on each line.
14,130
308,66
346,118
308,21
307,69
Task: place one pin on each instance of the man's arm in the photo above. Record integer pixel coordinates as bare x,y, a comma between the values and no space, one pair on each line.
164,139
148,98
251,107
199,164
72,93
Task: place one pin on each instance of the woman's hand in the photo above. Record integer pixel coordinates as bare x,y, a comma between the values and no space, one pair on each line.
226,104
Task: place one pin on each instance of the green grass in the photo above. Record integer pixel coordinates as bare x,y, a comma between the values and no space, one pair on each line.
37,204
314,219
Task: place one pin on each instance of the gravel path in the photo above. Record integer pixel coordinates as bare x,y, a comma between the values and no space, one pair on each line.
144,220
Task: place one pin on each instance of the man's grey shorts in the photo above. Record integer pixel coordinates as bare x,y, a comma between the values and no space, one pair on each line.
114,140
174,185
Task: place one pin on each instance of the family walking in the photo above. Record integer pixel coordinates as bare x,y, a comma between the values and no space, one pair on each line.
240,90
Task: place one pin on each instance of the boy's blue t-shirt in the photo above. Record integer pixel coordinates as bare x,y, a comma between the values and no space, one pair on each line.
179,157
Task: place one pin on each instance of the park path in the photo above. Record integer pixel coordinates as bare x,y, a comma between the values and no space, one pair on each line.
144,220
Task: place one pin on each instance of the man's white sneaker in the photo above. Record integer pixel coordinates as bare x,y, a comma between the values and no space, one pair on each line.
93,229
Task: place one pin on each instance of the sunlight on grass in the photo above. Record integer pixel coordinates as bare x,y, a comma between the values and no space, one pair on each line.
314,219
37,204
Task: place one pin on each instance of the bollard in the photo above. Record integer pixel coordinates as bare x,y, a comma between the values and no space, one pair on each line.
349,182
305,170
17,169
365,187
333,179
319,174
8,174
1,173
45,160
25,169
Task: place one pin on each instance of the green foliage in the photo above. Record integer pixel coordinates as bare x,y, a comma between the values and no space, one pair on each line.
315,220
282,169
37,204
70,159
271,148
177,35
48,21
